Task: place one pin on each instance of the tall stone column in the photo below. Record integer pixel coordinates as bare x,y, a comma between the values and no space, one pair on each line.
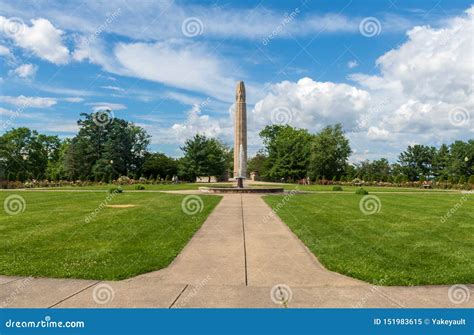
240,130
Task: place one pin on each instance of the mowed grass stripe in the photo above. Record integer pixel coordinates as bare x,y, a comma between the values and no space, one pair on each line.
52,239
406,243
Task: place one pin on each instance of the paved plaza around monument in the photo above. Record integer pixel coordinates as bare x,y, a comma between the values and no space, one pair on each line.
240,253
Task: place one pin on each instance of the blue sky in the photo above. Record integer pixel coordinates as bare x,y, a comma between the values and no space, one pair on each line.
393,73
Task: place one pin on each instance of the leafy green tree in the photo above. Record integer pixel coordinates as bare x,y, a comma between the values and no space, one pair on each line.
461,158
55,169
159,165
230,161
471,180
203,157
111,149
257,163
287,150
330,151
417,161
377,170
25,154
441,162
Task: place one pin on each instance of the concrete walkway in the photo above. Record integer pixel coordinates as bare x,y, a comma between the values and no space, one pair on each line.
241,257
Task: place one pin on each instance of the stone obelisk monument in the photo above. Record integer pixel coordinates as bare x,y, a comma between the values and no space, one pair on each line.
240,134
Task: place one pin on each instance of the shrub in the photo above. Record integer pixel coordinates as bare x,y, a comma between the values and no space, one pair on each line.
123,180
361,191
139,187
471,179
337,188
356,181
115,190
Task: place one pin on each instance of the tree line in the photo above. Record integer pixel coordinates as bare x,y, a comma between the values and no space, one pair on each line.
104,151
291,154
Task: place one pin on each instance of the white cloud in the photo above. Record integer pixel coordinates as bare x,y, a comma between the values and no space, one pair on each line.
352,64
42,38
197,123
218,21
4,51
375,133
74,99
185,65
98,106
29,102
423,81
64,91
311,104
113,88
26,71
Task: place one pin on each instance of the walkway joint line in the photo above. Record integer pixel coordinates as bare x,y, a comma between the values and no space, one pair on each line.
179,296
74,294
243,233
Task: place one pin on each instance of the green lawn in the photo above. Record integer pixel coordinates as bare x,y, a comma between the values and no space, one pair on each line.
406,243
368,188
310,188
51,238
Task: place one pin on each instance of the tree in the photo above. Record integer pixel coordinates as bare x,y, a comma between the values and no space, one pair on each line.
441,162
417,161
55,169
159,165
202,157
287,150
461,158
330,151
25,154
378,170
257,163
106,151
